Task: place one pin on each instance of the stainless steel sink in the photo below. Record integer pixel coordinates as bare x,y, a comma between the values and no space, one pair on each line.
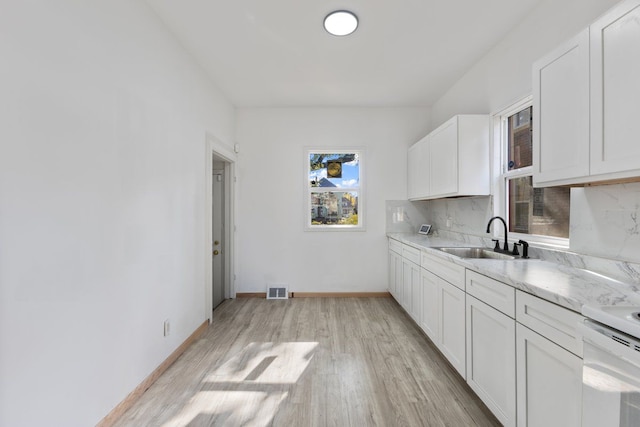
476,253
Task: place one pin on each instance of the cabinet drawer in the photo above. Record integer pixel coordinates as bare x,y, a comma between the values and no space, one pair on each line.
498,295
446,270
411,254
395,246
551,321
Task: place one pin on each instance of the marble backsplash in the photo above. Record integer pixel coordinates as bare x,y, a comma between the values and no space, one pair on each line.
605,221
462,215
404,216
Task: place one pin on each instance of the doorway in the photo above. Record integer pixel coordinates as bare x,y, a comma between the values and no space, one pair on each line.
219,224
218,233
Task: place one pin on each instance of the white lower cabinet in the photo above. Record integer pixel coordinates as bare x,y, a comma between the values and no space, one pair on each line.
520,354
549,375
411,298
415,305
406,284
404,277
411,295
443,308
430,319
549,382
395,275
491,359
442,319
452,325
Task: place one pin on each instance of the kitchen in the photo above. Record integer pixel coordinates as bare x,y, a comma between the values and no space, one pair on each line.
71,304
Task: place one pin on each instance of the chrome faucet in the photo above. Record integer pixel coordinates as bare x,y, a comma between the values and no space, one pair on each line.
506,244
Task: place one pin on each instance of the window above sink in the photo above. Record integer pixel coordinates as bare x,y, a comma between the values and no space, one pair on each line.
539,215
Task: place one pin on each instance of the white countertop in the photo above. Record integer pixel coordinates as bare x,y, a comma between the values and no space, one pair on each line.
566,286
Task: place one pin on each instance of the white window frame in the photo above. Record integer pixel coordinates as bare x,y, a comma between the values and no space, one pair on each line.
360,190
502,175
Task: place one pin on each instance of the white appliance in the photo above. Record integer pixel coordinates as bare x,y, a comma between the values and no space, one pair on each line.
611,370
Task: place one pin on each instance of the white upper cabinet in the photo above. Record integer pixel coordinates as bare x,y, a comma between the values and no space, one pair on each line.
444,159
453,160
585,104
615,87
418,169
561,112
412,169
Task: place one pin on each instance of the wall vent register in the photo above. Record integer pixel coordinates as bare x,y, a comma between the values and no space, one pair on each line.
277,292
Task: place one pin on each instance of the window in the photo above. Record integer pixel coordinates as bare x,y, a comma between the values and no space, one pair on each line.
537,214
334,193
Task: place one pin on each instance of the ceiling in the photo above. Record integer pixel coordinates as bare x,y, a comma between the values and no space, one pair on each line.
276,53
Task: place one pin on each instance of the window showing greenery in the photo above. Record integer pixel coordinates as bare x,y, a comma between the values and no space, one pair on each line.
334,190
539,213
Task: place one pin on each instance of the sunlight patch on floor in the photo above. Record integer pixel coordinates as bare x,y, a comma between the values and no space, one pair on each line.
249,387
229,408
287,361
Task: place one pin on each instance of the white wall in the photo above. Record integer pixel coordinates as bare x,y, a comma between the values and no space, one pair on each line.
102,140
271,242
604,220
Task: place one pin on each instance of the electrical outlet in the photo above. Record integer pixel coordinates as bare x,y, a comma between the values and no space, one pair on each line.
167,328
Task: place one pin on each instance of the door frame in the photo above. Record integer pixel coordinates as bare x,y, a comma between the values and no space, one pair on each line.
215,147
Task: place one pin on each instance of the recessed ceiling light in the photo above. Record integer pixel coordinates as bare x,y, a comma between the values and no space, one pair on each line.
341,23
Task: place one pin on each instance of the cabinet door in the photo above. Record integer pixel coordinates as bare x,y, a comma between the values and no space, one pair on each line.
424,168
418,169
549,382
412,171
398,280
395,274
491,359
452,325
429,321
406,284
444,159
474,173
391,286
415,305
561,106
615,85
397,259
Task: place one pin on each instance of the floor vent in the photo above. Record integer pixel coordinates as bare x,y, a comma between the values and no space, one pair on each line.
277,292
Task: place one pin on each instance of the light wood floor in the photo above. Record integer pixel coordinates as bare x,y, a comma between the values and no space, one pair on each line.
310,362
